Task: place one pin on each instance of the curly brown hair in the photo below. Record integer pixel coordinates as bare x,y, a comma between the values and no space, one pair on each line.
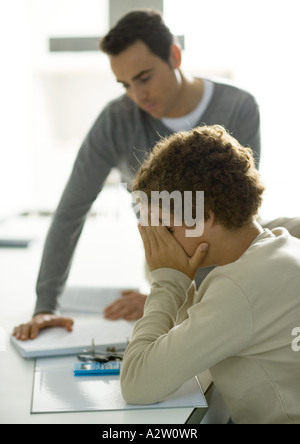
206,159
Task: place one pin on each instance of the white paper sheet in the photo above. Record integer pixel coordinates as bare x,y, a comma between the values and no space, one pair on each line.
57,390
88,299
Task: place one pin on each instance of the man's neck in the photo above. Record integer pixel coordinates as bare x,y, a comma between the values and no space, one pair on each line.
189,96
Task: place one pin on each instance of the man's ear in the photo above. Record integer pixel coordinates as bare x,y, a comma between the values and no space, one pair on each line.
175,56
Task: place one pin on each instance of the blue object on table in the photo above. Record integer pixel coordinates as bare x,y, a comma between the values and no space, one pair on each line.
97,368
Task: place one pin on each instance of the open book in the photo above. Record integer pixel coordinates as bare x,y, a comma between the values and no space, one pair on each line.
85,306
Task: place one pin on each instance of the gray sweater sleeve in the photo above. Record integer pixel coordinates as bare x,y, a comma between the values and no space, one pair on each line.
98,154
238,111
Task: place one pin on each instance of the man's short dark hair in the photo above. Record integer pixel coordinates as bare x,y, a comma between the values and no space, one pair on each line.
142,24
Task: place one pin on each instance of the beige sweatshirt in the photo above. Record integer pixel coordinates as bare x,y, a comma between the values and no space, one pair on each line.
238,324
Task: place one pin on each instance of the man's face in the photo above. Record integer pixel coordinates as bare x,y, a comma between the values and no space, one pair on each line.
151,83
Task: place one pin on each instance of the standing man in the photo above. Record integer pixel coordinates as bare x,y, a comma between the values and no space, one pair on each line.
160,99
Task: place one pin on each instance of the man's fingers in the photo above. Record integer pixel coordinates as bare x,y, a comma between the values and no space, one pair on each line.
130,307
22,332
127,293
119,311
112,310
32,328
15,331
67,323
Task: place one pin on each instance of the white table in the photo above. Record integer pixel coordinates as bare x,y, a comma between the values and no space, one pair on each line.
18,272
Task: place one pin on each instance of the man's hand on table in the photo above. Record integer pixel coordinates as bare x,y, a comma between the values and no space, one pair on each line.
31,329
129,307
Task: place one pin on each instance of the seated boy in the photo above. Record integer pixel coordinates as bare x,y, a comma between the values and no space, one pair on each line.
241,321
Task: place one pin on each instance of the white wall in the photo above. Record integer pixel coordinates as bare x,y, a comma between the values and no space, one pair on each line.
70,90
15,108
258,40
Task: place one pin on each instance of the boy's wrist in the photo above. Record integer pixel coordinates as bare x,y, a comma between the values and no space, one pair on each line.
172,275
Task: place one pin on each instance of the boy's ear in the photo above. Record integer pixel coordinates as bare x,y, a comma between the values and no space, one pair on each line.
210,221
175,56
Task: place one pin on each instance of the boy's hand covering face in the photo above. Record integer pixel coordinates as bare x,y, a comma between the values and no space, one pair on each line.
163,251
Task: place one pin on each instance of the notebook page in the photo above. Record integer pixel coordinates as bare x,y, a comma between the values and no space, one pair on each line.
88,299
